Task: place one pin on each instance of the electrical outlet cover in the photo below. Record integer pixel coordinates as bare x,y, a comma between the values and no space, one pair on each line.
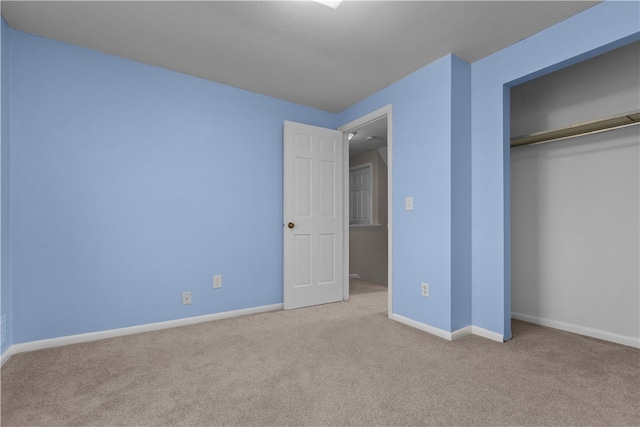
186,298
425,289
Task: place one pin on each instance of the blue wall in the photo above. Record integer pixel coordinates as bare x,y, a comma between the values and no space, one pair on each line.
422,114
5,230
600,28
133,184
460,195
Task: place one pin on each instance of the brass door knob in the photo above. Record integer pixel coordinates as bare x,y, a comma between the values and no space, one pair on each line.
291,225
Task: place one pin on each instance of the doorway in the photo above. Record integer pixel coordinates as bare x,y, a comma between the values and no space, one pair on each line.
368,248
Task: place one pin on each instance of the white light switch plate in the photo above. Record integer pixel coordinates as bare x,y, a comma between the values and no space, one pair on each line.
408,203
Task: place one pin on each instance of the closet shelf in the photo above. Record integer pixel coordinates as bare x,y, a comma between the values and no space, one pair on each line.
598,125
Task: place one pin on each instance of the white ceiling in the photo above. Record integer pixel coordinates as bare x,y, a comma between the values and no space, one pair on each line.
299,51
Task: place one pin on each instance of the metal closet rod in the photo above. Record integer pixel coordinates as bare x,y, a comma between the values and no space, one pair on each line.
585,128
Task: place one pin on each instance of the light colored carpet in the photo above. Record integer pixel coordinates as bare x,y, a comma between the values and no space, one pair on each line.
336,364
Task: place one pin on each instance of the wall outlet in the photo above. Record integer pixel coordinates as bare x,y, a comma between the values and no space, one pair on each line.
425,289
4,328
217,281
186,298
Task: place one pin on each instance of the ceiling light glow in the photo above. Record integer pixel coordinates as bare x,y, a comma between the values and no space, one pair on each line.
333,4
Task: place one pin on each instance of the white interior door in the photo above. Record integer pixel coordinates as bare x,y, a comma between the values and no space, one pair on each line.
313,215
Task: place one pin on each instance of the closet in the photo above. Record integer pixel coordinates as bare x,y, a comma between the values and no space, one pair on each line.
575,198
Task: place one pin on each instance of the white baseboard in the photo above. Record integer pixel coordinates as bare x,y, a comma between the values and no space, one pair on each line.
449,336
422,326
463,332
94,336
6,356
354,276
485,333
581,330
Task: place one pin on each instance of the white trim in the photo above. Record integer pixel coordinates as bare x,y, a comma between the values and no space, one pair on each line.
577,329
7,355
449,336
461,333
422,326
354,276
94,336
346,128
345,215
389,208
485,333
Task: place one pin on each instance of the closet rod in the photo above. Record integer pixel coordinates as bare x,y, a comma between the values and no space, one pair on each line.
585,128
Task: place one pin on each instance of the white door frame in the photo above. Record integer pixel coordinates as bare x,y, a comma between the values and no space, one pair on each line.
345,129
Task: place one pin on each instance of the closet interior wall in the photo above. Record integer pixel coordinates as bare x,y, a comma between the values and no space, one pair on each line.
575,202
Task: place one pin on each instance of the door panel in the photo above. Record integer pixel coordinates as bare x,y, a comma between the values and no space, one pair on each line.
302,260
313,215
326,262
327,189
302,183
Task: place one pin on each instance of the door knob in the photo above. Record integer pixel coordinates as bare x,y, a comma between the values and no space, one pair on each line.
291,225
